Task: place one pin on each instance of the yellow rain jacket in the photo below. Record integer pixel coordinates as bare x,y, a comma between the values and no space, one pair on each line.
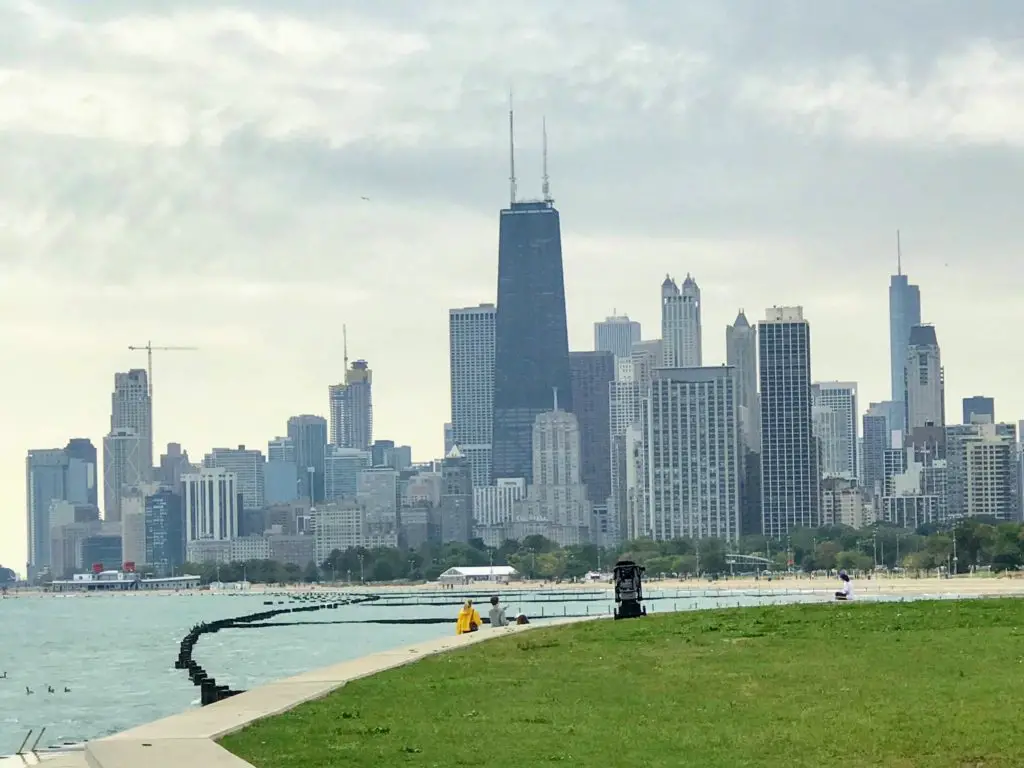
467,616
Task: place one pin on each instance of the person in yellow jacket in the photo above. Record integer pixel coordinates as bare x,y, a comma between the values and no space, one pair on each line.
469,619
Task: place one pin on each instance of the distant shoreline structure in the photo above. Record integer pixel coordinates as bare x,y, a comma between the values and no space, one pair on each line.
119,581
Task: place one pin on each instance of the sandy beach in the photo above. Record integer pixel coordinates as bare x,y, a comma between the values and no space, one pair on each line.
967,585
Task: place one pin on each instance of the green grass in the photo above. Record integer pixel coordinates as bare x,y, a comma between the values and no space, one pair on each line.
932,684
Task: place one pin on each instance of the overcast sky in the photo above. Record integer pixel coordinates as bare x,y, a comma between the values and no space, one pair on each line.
192,172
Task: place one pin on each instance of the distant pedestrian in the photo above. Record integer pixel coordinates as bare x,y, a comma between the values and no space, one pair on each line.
469,619
846,591
497,614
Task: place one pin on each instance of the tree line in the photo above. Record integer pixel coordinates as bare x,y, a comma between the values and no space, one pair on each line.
971,544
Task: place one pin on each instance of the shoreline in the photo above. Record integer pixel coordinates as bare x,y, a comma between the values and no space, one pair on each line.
967,584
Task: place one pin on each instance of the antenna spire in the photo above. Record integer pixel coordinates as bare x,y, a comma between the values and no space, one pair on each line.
546,183
899,255
511,150
344,343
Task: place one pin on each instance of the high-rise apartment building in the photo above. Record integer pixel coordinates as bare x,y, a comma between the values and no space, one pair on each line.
47,481
616,334
378,490
591,374
309,436
741,355
979,409
680,324
124,466
210,501
693,455
924,381
248,466
82,450
904,314
531,342
351,408
877,440
834,414
471,366
989,447
790,478
131,408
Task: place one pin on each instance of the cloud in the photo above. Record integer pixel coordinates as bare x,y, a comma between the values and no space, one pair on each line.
974,96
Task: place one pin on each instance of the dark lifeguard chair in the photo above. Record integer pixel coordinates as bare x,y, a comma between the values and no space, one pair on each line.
628,590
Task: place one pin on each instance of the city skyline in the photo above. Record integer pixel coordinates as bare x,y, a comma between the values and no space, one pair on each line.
258,365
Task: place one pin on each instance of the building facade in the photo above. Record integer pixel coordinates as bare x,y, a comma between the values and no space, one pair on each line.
592,374
456,498
531,342
471,367
341,472
692,452
924,395
309,437
248,466
680,324
741,355
790,477
124,466
834,413
979,409
210,499
351,408
616,334
165,532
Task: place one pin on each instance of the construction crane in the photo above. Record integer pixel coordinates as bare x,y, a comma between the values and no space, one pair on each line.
150,349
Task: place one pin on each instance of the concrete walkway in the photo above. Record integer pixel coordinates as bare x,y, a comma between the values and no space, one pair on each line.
189,739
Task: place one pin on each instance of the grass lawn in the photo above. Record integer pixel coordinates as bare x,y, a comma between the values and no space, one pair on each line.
934,684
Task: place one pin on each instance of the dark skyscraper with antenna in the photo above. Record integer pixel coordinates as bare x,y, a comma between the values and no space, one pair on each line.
531,354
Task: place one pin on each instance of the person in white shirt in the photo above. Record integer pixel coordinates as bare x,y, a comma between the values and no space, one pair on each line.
846,591
497,615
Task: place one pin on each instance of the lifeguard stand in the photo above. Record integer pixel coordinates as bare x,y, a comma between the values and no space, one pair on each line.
628,590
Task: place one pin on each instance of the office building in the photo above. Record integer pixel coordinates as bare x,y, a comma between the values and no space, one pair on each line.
693,455
46,482
471,367
384,453
124,466
210,500
904,314
82,457
341,471
680,324
915,489
377,489
979,409
591,375
834,414
449,438
925,391
351,408
531,343
556,504
790,478
248,466
281,482
842,503
456,498
281,449
165,532
741,355
103,551
132,409
616,334
133,525
493,507
309,438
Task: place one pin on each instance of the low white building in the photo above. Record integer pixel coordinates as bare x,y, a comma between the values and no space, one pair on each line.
472,574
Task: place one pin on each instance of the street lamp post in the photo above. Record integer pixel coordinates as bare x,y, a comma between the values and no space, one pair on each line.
362,578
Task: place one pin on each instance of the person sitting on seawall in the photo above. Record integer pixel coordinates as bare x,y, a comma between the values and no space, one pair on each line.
469,619
497,614
846,591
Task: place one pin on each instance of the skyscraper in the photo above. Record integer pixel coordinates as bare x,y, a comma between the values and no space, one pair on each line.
124,466
351,408
790,480
456,498
834,412
877,440
210,503
616,334
471,366
131,408
248,466
904,314
693,456
46,476
82,449
309,436
741,354
531,342
680,324
164,531
591,374
925,388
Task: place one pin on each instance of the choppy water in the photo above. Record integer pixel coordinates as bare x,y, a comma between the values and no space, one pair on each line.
116,652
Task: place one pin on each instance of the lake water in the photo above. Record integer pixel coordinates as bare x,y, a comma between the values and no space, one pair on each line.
116,652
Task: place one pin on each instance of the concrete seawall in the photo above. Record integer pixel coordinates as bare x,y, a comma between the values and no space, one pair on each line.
189,738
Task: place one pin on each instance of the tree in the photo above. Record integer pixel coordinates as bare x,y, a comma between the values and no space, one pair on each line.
7,576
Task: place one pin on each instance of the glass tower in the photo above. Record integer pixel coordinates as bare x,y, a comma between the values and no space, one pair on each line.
531,355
